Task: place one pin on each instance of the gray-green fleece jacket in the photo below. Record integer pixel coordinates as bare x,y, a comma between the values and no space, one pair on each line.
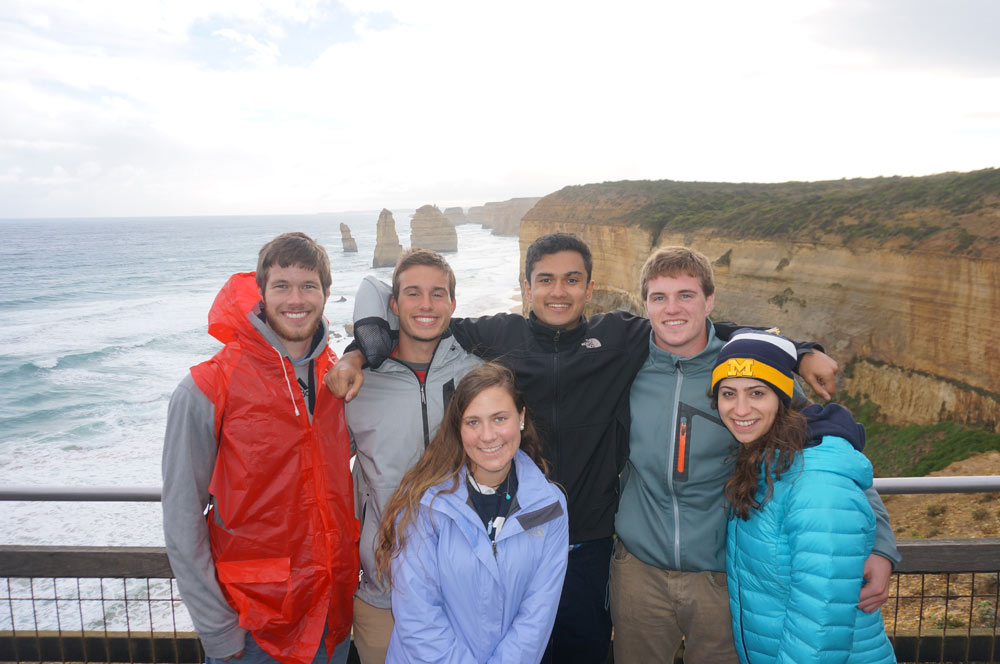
672,513
388,420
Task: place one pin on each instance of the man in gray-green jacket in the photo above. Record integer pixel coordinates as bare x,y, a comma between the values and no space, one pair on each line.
668,569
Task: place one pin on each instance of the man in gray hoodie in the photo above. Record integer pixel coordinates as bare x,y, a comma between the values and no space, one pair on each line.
394,418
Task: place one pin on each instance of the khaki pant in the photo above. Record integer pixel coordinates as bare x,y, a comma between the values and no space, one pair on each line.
372,629
653,609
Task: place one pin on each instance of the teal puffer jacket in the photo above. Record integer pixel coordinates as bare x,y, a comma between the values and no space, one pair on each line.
795,567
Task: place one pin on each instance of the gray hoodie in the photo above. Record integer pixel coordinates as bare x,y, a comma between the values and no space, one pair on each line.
387,421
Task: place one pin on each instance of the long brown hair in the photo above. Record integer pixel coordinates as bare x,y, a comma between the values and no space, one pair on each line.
776,449
443,460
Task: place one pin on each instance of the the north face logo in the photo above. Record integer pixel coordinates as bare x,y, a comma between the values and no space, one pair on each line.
591,343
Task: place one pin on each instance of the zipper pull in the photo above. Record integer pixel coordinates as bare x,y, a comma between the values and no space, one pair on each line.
682,445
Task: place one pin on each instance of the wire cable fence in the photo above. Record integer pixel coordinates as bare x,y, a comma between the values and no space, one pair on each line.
121,604
943,601
91,604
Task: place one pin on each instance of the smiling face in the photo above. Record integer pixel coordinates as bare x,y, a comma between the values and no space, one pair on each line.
747,407
293,305
491,434
677,308
558,289
424,307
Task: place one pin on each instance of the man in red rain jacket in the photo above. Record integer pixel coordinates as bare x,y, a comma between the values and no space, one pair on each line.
258,510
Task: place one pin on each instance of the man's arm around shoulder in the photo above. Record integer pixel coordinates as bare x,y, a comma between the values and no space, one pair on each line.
189,451
884,557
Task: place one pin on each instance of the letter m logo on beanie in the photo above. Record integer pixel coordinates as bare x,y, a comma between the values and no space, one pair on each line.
740,368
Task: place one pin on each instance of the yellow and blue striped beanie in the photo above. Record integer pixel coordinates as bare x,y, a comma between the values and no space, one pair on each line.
768,357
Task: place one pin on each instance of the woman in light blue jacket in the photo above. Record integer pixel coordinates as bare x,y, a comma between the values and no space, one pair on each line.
801,525
475,540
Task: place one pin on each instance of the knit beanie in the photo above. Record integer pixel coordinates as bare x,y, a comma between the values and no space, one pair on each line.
765,356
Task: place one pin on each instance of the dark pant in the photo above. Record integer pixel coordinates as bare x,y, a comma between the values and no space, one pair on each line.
582,632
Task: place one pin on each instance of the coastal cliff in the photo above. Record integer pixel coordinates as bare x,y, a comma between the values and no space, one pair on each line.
899,278
504,218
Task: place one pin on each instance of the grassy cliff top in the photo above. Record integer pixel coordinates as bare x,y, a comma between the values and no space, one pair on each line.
965,206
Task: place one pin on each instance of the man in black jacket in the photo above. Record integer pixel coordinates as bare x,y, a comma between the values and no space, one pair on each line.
575,374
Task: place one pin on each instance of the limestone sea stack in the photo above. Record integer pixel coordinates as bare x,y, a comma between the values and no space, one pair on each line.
350,245
430,229
387,247
456,215
474,215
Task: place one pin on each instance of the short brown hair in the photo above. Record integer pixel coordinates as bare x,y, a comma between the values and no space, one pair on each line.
294,249
671,261
412,257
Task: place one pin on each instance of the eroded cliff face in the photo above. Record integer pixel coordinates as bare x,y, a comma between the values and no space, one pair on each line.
916,326
503,217
920,328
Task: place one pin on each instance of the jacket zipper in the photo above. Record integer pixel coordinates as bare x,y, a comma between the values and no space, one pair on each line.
553,433
675,507
514,509
422,384
319,479
423,407
739,587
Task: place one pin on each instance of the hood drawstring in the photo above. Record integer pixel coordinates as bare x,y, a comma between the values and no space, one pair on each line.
288,383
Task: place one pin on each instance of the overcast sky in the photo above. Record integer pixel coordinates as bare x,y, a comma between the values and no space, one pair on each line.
135,107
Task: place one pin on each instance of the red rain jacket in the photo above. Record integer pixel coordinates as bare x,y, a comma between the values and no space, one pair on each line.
287,556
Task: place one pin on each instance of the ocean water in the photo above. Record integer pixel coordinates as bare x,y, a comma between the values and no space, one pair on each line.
101,318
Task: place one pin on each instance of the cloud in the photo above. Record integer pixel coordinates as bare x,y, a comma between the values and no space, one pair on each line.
958,35
263,54
270,106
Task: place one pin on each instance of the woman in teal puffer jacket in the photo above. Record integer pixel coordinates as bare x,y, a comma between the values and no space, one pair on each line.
801,525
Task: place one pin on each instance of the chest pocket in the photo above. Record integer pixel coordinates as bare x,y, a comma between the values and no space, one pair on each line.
687,420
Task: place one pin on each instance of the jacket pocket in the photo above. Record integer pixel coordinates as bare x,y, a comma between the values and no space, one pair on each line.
257,589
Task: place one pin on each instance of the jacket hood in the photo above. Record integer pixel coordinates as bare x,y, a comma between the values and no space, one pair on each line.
832,420
445,350
227,318
835,444
236,316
